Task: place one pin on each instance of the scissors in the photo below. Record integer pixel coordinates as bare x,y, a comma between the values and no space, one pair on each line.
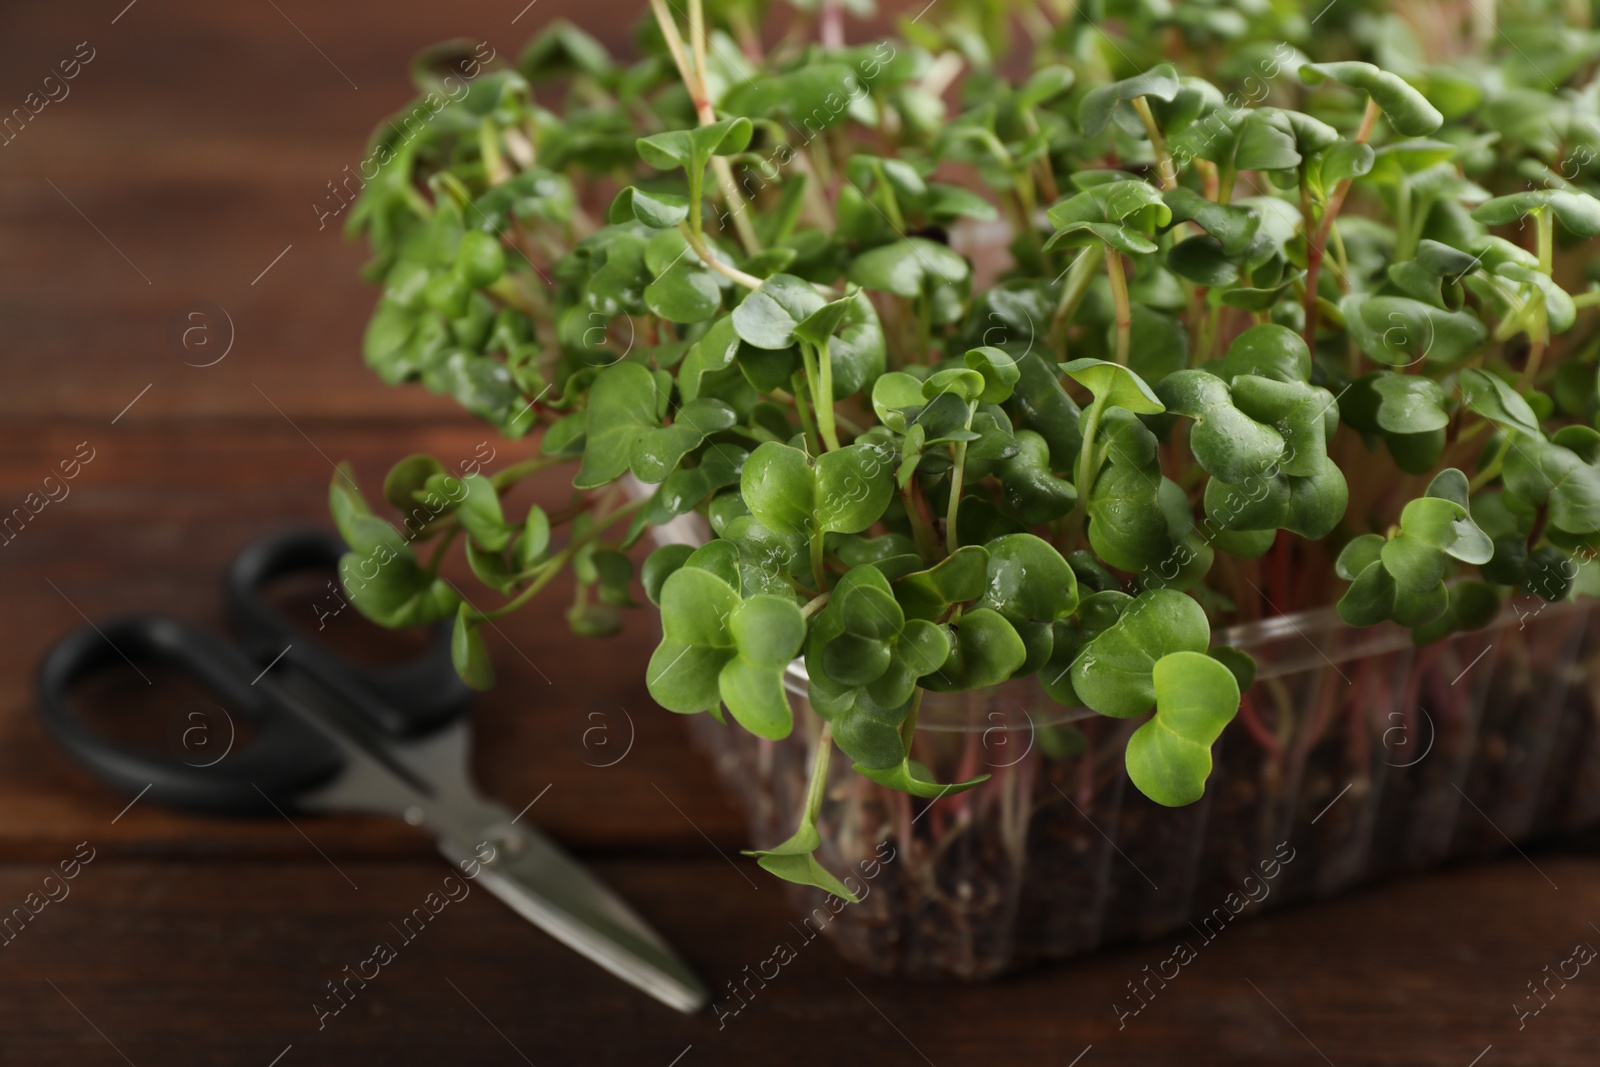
332,736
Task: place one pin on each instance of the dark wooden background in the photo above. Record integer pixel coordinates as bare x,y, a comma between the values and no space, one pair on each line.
183,163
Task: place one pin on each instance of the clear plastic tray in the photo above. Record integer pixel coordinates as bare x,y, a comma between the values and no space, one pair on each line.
1355,756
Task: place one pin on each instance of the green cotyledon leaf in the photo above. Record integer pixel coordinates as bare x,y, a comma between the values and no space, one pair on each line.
1115,385
657,452
1577,211
696,642
854,485
909,267
767,317
1227,443
1120,214
622,408
912,777
657,210
767,633
1546,474
1169,757
1112,673
1408,111
692,148
927,593
794,861
986,651
778,485
1487,395
1027,580
1402,577
863,658
1100,103
1032,489
1232,225
1401,332
468,654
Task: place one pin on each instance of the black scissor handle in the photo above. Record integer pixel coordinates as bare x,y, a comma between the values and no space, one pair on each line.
401,701
287,757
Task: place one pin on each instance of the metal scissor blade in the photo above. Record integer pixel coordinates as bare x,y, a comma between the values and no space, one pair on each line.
548,888
425,782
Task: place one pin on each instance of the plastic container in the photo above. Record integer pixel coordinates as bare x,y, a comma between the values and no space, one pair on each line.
1355,756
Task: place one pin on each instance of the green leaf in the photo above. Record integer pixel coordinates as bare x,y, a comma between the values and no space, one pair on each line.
407,478
657,452
793,862
622,407
1577,211
1400,331
1358,554
1128,527
1344,161
1489,396
1473,606
686,292
910,267
1545,474
480,514
1234,226
852,684
1100,103
778,485
818,327
468,653
966,385
1226,442
1267,141
1445,525
1112,673
534,540
956,579
696,642
1120,214
999,370
389,586
480,260
1201,260
1032,490
1040,404
361,529
767,632
1115,385
714,351
1409,403
986,652
767,317
1267,351
661,565
1169,757
854,485
1027,580
1407,109
1402,577
1434,274
911,777
659,211
692,148
892,394
562,49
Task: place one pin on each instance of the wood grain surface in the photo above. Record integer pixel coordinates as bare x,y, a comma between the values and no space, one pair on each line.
178,175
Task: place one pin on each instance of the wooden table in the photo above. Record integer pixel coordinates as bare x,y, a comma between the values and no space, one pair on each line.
178,177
